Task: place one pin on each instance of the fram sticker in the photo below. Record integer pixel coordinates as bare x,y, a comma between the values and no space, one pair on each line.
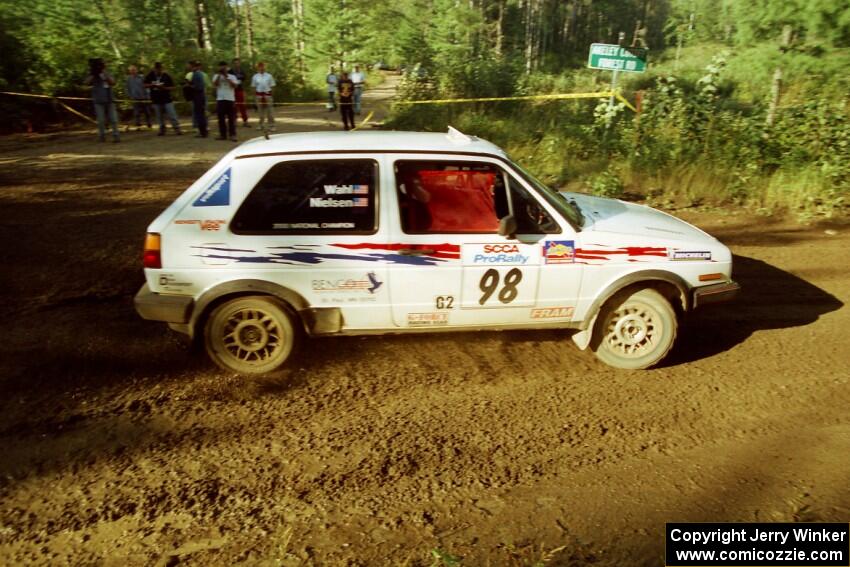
217,194
559,251
690,255
552,312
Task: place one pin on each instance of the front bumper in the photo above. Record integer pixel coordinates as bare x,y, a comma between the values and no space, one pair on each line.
161,307
715,293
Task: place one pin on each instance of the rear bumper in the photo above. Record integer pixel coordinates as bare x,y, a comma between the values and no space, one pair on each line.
160,307
716,293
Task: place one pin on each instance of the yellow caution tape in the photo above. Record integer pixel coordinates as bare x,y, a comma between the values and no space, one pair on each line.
80,114
622,99
365,120
561,96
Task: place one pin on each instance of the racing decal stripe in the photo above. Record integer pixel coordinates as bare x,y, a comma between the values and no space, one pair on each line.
447,251
595,254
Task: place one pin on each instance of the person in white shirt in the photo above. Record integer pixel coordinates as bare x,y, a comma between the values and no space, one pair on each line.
225,84
263,83
359,79
332,80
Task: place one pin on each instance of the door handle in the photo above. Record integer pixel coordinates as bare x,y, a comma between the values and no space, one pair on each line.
416,251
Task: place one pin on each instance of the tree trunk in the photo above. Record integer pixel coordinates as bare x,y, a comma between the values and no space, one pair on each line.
249,30
500,33
298,35
107,28
237,36
169,22
204,36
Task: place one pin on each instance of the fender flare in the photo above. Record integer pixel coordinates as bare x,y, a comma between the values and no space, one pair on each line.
636,278
244,287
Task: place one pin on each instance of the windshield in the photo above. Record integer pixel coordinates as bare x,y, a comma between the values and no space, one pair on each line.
568,209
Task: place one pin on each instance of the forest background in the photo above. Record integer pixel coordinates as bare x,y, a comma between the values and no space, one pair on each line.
744,103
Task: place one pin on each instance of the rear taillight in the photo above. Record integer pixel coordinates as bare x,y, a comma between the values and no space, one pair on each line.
152,257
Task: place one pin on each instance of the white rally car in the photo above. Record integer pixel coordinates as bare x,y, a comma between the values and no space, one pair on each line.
335,233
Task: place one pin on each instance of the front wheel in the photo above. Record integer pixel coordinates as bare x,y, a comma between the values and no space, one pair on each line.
250,335
634,330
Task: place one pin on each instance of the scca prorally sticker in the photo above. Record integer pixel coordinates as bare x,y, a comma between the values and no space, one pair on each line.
500,254
691,255
559,251
552,313
427,319
217,194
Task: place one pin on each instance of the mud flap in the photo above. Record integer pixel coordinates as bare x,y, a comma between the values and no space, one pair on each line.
582,338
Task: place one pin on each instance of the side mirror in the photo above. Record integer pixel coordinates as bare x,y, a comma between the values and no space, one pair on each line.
507,226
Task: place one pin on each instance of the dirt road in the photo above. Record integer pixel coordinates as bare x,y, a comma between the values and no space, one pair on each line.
121,447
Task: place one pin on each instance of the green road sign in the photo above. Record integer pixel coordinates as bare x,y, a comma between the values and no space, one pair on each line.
616,58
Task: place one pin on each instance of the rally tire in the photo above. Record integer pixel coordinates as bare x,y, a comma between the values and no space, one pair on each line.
634,330
250,335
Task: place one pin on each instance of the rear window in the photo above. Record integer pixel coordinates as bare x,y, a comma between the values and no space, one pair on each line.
312,197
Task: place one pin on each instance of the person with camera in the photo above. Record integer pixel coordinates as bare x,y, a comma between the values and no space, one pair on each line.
225,84
160,85
104,102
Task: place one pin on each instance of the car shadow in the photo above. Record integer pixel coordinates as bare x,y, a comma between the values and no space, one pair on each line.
770,298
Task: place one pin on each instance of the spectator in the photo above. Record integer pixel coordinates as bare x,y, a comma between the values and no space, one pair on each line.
101,94
240,90
331,80
139,95
359,80
346,101
161,84
263,83
198,84
225,84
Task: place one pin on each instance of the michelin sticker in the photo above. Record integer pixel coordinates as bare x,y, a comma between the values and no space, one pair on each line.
694,256
217,194
559,251
509,254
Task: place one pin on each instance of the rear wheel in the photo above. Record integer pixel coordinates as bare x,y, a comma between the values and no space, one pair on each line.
634,330
250,335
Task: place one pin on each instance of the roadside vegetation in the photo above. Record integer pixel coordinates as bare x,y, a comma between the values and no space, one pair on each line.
744,102
745,106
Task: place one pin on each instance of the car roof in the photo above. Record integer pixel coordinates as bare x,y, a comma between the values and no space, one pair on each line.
378,141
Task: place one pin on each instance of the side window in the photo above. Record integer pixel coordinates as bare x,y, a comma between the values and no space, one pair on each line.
448,197
312,197
464,197
531,217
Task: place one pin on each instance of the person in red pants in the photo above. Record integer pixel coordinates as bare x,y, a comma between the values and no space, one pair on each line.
241,107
